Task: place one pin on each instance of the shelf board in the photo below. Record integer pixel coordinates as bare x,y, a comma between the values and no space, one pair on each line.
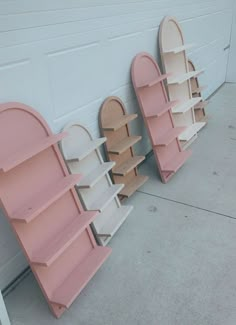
202,104
59,243
67,292
115,221
179,49
132,186
176,162
127,166
155,81
185,106
43,200
105,197
115,125
198,90
95,175
169,137
124,144
161,110
81,153
191,131
30,151
182,78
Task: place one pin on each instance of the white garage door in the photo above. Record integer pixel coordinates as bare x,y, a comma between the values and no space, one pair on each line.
64,57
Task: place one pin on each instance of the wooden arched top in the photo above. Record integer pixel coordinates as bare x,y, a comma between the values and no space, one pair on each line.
144,69
77,140
112,108
170,34
7,107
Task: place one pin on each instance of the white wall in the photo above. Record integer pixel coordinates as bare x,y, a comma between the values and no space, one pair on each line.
64,57
231,71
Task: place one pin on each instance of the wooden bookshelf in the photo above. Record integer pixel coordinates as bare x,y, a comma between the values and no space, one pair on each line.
163,135
40,201
174,60
96,190
119,144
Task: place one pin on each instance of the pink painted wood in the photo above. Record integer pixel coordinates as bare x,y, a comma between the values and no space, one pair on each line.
39,199
156,111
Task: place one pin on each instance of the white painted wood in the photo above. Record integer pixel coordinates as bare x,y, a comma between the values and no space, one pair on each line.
191,131
4,319
78,153
116,221
182,78
61,56
179,86
105,197
179,49
96,189
185,106
95,175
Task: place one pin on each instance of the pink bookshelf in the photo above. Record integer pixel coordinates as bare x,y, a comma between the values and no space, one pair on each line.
42,206
156,112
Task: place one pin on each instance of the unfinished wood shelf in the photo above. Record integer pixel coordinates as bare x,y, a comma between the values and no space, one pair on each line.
96,189
174,60
39,199
163,135
119,144
199,107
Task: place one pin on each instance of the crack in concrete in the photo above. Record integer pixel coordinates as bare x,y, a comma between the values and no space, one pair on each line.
188,205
